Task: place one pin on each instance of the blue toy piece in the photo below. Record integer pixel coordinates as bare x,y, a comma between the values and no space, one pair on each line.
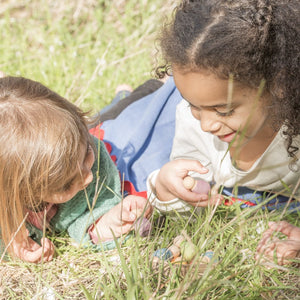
163,253
209,254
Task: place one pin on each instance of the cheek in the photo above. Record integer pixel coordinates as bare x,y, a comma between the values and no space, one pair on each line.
195,113
252,123
61,197
90,160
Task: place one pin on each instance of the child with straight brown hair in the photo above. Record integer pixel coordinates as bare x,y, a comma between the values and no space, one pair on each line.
54,175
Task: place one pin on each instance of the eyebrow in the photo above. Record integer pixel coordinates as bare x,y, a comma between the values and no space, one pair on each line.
225,105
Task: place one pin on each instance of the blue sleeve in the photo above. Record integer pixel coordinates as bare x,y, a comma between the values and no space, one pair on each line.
141,136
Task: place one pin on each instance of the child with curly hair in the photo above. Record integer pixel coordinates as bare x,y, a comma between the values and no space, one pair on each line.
236,66
54,175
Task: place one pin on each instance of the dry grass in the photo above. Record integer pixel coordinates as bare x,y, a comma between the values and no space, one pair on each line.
83,49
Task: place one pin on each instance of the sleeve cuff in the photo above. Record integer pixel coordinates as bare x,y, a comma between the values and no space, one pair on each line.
164,207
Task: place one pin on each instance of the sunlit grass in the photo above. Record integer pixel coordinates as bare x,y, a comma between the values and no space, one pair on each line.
83,50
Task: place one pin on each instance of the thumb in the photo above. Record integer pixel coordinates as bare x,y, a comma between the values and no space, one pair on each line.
128,216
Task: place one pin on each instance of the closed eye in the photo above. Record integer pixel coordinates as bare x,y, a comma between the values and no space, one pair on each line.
68,185
194,107
225,114
219,113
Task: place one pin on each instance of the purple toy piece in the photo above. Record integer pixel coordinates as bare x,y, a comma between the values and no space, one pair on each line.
142,226
196,185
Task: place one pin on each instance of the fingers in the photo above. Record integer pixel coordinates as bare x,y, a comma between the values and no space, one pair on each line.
49,249
279,251
193,165
274,249
137,205
286,228
127,216
205,200
266,243
31,252
182,167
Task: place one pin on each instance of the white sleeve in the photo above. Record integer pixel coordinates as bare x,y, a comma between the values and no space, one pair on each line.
164,207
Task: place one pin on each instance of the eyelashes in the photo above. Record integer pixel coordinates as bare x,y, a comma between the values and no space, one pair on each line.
219,113
225,114
68,185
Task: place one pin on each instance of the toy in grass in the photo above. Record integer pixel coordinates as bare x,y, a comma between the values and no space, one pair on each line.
142,225
182,253
198,186
187,248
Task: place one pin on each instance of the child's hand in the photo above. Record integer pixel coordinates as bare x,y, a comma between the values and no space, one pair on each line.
169,183
120,218
284,249
28,250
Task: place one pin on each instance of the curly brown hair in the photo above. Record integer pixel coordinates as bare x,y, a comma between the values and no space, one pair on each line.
254,40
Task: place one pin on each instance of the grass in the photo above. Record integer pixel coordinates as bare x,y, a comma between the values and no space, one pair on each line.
84,50
81,49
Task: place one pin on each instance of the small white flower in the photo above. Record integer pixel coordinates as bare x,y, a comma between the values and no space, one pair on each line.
101,61
260,227
58,42
45,294
114,258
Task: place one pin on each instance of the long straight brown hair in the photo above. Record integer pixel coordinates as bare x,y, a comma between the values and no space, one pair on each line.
40,137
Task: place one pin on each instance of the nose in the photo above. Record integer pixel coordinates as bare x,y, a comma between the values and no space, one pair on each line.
209,122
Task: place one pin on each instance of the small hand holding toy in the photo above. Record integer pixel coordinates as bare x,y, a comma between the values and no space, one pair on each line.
129,214
202,187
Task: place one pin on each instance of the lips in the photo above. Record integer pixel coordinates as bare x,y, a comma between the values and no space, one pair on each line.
227,137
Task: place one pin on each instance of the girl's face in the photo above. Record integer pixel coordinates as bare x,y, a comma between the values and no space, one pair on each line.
80,179
235,117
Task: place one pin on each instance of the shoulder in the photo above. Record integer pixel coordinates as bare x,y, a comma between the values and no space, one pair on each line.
104,164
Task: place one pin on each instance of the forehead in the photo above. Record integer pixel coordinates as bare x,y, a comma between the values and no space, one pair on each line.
206,89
